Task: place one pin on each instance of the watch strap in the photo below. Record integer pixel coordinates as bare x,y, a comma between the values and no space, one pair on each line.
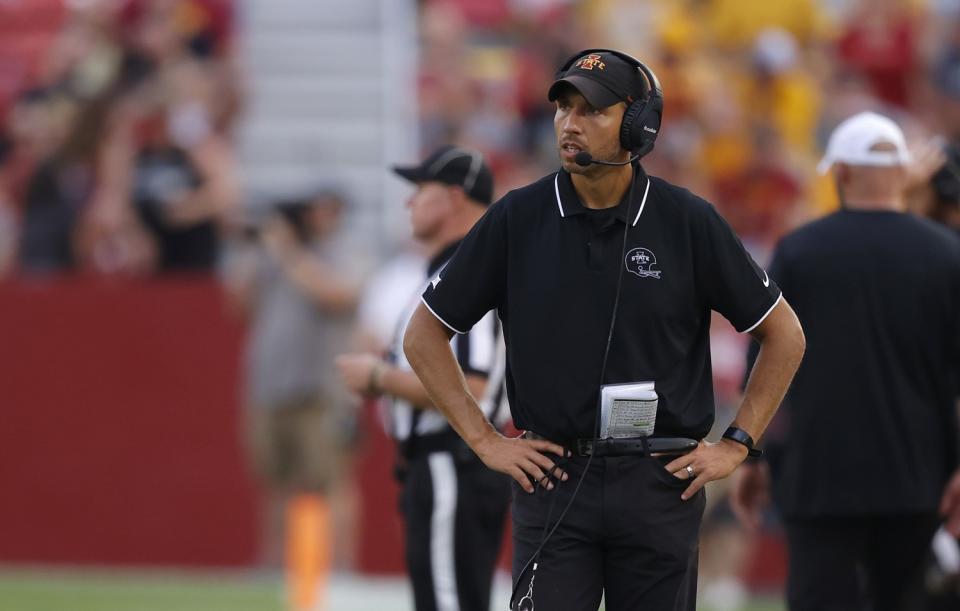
743,438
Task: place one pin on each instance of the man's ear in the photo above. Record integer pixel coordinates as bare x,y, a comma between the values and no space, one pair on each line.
457,195
842,172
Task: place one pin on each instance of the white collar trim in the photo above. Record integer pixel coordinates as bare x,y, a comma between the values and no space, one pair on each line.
643,203
556,189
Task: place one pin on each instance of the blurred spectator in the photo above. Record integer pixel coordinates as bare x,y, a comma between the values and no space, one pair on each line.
780,92
761,199
119,159
182,186
297,281
939,197
945,73
946,192
165,155
736,23
880,42
58,185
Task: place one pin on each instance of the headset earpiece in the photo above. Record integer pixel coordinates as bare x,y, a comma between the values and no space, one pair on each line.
641,125
641,120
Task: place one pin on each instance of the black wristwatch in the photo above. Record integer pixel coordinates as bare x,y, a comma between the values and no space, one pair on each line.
743,438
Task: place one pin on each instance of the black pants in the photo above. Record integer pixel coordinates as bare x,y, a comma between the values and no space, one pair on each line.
628,535
857,563
454,510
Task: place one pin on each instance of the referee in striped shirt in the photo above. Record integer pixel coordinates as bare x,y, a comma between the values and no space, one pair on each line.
453,506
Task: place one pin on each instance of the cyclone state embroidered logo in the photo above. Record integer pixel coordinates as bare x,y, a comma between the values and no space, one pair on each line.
640,261
590,62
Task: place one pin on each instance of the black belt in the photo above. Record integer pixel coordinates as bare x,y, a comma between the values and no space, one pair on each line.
634,446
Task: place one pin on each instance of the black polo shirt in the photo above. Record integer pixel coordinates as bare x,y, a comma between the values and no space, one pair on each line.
549,266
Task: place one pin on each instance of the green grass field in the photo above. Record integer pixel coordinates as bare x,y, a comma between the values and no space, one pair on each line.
128,590
134,591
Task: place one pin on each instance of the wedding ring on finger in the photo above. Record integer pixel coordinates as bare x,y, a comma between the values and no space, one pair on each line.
690,472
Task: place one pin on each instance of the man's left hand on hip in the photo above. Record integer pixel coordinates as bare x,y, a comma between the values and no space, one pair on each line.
710,461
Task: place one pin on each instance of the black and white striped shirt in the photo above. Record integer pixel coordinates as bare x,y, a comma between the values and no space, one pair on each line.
479,352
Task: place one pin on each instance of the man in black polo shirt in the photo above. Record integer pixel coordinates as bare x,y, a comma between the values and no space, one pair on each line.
552,258
454,508
866,455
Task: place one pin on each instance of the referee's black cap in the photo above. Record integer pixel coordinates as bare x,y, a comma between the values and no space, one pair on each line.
603,79
454,165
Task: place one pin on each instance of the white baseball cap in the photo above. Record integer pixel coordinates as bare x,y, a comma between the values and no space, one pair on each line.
853,140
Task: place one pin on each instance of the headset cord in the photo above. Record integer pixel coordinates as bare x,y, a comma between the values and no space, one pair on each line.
535,558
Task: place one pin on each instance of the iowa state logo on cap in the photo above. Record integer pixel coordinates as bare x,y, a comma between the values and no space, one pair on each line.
589,62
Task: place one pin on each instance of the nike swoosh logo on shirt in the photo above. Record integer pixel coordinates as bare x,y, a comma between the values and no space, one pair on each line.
766,280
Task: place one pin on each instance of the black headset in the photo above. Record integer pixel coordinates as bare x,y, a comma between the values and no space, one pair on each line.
641,120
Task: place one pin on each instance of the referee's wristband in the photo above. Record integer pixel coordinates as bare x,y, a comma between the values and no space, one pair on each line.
743,438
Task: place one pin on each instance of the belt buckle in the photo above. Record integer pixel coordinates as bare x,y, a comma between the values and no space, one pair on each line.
584,447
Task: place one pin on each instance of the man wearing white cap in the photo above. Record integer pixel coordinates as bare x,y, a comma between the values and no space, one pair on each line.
867,140
864,459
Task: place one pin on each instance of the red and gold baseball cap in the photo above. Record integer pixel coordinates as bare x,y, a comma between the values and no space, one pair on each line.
603,79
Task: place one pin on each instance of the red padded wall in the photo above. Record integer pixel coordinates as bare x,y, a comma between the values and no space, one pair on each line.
118,425
119,430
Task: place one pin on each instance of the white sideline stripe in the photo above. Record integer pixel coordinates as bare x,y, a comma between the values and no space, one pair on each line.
442,524
764,317
643,203
556,189
448,325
